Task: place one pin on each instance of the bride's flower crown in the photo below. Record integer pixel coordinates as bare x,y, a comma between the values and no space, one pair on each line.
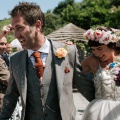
102,36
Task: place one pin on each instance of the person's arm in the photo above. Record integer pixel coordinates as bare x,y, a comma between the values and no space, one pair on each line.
84,85
85,66
5,31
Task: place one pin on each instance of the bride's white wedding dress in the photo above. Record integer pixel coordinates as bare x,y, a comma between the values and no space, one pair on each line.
106,105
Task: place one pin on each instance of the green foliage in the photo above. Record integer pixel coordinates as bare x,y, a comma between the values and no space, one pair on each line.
71,14
53,22
115,2
61,6
14,49
82,46
4,22
10,37
113,17
92,13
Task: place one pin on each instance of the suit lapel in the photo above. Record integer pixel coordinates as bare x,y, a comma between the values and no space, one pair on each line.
47,73
59,67
22,71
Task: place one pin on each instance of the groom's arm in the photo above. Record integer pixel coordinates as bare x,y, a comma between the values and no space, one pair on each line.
85,86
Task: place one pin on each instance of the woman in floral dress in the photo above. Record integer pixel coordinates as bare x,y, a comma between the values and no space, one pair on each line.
105,45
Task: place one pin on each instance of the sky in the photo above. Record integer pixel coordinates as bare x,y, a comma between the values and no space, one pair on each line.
7,5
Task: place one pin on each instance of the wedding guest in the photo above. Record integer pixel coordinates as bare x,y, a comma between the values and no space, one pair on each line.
4,72
6,55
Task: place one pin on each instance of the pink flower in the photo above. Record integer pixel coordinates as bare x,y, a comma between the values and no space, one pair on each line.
101,36
90,34
106,38
98,34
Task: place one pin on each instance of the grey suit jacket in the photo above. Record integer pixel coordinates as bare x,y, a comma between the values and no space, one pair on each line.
18,82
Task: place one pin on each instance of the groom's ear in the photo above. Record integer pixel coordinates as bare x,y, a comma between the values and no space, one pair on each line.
38,25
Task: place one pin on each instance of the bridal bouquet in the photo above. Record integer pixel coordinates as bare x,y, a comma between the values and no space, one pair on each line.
115,70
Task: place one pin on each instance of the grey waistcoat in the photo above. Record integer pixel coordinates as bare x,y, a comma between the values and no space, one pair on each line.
41,105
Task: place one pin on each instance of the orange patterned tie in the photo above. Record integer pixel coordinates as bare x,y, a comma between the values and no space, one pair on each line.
38,64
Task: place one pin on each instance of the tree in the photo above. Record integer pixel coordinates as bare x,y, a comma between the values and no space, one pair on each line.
61,6
115,2
53,22
113,17
92,13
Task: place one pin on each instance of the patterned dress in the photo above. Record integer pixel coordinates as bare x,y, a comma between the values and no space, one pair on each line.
106,105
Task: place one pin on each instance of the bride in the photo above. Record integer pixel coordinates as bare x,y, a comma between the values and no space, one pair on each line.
105,66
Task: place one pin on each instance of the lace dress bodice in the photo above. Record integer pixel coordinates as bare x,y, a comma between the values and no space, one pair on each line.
106,106
105,85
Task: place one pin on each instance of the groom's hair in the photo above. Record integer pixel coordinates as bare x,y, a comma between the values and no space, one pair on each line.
30,11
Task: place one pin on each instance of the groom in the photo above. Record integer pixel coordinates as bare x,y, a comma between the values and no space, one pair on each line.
48,97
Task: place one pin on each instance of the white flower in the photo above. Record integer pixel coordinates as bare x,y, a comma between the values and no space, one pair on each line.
89,34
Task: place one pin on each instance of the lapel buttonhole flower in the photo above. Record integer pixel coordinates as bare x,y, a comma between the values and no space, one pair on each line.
61,52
